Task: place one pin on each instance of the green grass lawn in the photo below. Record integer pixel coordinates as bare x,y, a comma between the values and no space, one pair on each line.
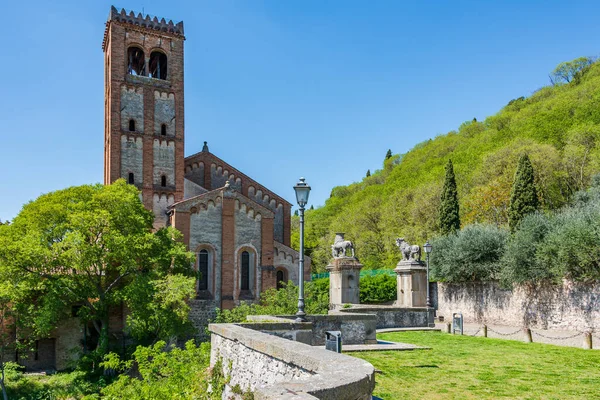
464,367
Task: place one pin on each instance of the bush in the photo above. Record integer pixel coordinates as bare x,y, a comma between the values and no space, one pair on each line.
377,288
282,302
520,263
165,373
473,254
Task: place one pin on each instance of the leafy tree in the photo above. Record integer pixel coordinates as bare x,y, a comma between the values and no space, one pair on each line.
523,197
388,155
449,210
520,261
567,71
93,246
368,173
473,254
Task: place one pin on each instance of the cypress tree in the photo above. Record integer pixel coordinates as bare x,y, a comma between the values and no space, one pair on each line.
368,173
523,196
388,154
449,218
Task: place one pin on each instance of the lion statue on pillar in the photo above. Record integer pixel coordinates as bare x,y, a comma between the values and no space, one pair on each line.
409,252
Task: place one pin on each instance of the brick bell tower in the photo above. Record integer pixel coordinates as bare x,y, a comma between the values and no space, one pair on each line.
144,120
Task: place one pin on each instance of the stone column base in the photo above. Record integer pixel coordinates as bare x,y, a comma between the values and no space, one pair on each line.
412,284
344,280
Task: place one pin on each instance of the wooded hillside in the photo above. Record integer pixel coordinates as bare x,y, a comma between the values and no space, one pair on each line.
558,126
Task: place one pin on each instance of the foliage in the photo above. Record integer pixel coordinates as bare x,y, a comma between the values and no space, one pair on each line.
472,254
93,246
520,263
388,154
482,368
368,173
165,373
378,288
60,386
569,70
449,209
282,302
523,196
557,126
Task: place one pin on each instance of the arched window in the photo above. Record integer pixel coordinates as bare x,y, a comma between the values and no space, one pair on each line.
281,278
136,61
163,129
132,125
163,181
131,178
158,65
203,270
245,284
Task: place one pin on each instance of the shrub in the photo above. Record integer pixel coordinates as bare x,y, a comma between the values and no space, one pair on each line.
165,373
520,262
377,288
473,254
282,302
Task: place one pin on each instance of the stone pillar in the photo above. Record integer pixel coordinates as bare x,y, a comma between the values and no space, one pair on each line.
412,284
344,280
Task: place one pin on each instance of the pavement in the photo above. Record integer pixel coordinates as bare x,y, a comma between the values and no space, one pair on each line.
382,345
547,336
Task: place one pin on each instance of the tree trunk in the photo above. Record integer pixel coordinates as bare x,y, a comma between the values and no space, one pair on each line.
103,341
2,383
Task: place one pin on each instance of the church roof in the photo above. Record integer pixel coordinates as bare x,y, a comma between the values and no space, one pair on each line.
216,196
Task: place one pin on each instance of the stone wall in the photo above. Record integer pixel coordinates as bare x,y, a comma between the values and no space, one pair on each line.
201,313
355,328
391,316
566,306
132,158
277,368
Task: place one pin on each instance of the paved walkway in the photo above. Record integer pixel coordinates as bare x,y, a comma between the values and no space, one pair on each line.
552,336
382,345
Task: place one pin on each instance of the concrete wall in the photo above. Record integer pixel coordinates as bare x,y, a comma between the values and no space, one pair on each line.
566,306
277,368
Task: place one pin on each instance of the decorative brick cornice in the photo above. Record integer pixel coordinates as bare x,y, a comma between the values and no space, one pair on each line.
146,23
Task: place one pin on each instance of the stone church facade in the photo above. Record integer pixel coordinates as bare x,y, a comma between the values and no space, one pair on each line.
239,229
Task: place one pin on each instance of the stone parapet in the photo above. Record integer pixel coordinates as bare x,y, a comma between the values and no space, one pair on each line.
276,368
392,316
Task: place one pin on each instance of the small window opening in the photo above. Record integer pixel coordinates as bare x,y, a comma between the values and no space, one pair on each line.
137,61
163,181
163,129
132,125
245,271
203,270
280,279
131,179
158,65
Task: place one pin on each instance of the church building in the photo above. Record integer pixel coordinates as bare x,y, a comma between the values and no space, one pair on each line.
239,229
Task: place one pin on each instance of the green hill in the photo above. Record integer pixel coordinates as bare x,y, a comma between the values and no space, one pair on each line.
558,126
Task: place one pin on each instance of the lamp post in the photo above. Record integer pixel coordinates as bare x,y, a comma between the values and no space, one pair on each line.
302,191
428,247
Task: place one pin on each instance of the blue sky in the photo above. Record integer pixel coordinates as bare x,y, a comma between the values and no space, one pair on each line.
279,89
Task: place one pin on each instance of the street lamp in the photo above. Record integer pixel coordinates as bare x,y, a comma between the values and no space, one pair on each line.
302,191
428,247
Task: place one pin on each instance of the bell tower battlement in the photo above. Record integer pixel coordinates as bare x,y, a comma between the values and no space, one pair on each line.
144,107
